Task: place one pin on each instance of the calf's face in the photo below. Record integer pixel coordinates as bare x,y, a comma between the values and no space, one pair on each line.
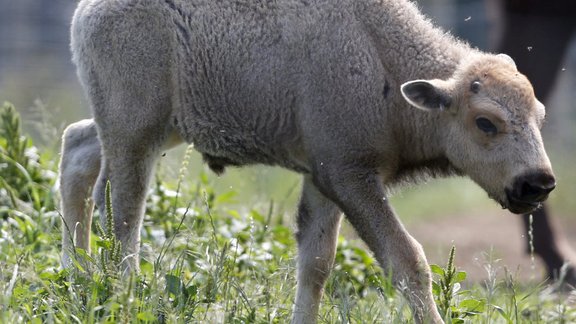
492,123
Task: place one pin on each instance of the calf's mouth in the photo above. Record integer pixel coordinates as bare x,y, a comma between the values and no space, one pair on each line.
529,191
520,207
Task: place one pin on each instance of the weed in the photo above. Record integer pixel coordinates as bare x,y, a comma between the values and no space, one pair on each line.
447,287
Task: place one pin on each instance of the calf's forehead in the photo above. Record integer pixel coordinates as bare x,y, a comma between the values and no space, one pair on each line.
510,85
508,88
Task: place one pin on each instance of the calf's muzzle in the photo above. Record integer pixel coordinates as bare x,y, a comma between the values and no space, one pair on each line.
529,191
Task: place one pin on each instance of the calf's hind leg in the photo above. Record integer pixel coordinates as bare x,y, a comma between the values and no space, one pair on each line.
79,167
129,154
318,225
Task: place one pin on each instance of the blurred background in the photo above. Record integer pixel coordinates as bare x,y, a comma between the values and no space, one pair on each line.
37,76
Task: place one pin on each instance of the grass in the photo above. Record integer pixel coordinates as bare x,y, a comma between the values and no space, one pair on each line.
208,256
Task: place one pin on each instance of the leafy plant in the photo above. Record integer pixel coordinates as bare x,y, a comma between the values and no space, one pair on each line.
446,289
22,178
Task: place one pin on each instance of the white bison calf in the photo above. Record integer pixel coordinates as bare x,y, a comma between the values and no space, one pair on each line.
326,88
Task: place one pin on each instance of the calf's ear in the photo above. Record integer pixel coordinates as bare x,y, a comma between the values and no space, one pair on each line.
426,95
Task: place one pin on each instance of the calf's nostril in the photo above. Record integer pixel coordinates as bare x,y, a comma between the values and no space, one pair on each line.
546,182
549,187
537,190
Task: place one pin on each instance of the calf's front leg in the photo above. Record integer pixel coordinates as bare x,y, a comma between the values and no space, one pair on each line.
359,193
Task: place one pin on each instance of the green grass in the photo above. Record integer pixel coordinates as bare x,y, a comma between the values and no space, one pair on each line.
211,254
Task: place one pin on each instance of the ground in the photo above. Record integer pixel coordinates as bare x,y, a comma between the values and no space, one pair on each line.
476,234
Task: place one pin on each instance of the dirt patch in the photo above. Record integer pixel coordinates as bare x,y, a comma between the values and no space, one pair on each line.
491,238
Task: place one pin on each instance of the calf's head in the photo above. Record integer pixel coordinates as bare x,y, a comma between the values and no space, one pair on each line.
490,126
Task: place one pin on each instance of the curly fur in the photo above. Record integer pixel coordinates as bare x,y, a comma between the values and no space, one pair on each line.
326,88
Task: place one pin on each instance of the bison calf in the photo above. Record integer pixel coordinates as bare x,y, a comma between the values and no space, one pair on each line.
326,88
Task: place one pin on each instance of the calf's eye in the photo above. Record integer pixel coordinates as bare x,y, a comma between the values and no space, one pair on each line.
485,125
